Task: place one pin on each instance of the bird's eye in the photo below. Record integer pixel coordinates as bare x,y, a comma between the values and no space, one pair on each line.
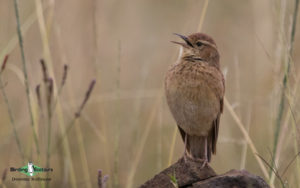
199,44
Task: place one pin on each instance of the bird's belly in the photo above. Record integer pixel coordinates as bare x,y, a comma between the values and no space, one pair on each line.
194,108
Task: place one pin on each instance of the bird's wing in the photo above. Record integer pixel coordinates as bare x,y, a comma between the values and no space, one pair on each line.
215,128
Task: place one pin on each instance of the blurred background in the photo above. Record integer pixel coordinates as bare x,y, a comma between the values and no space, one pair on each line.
126,129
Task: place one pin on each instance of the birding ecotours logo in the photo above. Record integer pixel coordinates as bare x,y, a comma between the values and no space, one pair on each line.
30,169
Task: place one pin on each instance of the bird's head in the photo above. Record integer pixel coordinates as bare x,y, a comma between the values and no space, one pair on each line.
199,47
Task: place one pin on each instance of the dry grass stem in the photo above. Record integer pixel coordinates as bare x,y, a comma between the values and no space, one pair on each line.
172,146
247,137
26,81
284,84
77,114
203,13
142,142
4,63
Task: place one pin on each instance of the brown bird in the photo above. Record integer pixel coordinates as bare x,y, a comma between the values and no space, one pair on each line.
195,89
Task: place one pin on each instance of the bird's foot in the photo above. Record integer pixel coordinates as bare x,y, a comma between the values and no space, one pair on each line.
185,157
204,163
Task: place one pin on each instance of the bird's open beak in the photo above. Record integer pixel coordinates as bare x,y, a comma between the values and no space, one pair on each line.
188,43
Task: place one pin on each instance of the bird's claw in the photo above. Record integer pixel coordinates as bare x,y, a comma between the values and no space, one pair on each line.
205,163
185,158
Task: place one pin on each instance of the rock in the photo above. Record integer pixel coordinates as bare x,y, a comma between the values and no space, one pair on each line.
190,175
233,178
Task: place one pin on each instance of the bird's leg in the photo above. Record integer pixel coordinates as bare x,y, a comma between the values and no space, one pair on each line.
184,153
205,162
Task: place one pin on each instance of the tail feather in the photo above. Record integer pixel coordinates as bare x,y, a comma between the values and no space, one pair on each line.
195,145
209,148
214,134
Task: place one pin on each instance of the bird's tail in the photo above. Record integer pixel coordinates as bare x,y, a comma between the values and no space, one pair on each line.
196,146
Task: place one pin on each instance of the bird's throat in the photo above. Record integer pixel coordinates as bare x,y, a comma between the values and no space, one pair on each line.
193,59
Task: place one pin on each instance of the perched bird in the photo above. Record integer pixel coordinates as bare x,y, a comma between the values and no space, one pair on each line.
194,88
